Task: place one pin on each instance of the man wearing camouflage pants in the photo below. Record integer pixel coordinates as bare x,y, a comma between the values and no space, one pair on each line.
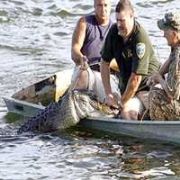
164,102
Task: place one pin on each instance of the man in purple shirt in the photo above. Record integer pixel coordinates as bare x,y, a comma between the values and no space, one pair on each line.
87,41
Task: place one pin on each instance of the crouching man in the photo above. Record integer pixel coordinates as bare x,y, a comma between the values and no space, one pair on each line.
129,44
164,102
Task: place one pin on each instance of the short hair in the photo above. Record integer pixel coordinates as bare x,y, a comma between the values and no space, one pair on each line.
95,2
124,5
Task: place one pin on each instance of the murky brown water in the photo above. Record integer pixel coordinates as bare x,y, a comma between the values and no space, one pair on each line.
35,39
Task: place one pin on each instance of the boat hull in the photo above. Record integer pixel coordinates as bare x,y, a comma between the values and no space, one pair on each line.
167,131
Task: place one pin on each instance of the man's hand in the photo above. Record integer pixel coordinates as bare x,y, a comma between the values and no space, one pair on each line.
167,89
154,79
157,78
113,100
84,63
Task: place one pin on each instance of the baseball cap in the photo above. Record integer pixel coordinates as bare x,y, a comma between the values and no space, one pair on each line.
171,20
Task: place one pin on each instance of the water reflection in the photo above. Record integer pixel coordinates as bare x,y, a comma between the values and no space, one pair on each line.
82,154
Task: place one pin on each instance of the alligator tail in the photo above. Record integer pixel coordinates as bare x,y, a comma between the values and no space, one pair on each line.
43,121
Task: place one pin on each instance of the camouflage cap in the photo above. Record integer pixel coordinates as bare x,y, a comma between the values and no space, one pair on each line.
170,20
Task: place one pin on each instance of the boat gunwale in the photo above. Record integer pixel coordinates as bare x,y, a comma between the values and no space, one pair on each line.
40,107
136,122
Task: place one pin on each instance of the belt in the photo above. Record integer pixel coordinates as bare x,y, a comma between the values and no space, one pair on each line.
94,61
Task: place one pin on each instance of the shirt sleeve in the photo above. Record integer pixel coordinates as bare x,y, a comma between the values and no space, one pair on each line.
142,54
107,49
177,74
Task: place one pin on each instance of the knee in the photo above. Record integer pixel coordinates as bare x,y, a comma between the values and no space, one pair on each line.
83,75
82,81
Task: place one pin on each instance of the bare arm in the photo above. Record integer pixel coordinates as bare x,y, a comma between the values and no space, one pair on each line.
111,99
132,86
164,69
78,40
158,76
105,75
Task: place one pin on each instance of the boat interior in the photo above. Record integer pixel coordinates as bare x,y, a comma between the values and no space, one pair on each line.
47,90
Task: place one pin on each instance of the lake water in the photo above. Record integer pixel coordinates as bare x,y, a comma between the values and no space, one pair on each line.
35,41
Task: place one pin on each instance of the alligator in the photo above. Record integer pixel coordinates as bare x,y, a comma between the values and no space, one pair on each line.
68,111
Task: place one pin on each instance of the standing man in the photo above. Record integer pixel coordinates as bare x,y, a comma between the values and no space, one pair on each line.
129,44
88,38
164,102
